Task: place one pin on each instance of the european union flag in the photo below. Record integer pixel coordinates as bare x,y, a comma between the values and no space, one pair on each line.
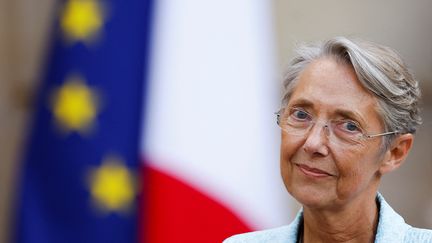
78,181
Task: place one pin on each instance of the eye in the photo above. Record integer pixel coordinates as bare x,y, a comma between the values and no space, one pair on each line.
350,126
300,115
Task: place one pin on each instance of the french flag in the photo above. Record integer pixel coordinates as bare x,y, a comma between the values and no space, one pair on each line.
210,141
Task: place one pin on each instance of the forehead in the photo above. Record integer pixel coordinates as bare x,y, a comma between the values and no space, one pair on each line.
330,85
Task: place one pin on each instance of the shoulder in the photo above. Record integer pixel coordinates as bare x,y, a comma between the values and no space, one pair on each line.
418,235
280,234
393,228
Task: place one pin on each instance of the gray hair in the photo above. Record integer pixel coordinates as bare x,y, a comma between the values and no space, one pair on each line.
379,69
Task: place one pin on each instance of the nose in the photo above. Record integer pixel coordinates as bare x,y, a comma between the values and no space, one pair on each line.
316,140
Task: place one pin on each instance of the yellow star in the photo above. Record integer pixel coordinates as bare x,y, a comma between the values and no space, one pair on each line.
112,186
81,20
75,106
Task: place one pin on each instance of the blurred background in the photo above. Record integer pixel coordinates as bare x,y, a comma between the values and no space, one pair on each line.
25,28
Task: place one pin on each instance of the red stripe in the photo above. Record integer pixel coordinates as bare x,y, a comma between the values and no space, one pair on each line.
174,212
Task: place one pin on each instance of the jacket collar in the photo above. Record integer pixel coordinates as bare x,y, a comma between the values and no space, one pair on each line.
391,226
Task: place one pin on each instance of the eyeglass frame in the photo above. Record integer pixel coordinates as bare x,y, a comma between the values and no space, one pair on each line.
363,135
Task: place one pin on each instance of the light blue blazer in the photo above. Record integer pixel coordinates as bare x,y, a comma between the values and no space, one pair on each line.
391,229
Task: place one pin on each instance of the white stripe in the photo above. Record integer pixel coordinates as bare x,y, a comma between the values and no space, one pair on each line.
211,100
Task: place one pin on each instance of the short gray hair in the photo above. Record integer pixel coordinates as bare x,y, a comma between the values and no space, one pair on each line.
379,69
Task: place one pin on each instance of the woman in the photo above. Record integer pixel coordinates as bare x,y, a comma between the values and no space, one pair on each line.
349,113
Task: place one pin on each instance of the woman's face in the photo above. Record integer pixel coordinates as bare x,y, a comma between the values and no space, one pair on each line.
317,171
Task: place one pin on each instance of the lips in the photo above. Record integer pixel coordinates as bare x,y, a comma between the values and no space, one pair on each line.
313,172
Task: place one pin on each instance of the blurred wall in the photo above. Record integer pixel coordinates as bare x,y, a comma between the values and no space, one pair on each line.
24,26
403,25
8,138
400,24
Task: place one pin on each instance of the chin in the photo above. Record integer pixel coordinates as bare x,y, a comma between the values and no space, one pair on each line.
309,196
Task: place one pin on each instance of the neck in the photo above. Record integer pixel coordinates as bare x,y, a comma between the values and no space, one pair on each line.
356,222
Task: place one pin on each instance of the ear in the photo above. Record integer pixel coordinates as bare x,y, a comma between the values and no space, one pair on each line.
397,153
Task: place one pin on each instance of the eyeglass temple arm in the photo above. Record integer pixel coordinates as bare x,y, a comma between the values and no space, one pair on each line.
381,134
277,116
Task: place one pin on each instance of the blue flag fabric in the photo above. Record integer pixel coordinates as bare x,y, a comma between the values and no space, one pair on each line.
79,174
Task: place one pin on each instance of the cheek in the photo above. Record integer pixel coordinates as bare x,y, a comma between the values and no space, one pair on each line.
289,147
349,182
285,154
356,172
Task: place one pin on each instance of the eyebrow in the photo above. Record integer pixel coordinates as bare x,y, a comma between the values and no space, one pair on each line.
350,114
302,102
339,111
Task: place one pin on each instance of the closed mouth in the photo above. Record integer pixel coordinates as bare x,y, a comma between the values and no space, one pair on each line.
313,172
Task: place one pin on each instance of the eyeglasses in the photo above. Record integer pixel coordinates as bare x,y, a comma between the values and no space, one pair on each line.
345,132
